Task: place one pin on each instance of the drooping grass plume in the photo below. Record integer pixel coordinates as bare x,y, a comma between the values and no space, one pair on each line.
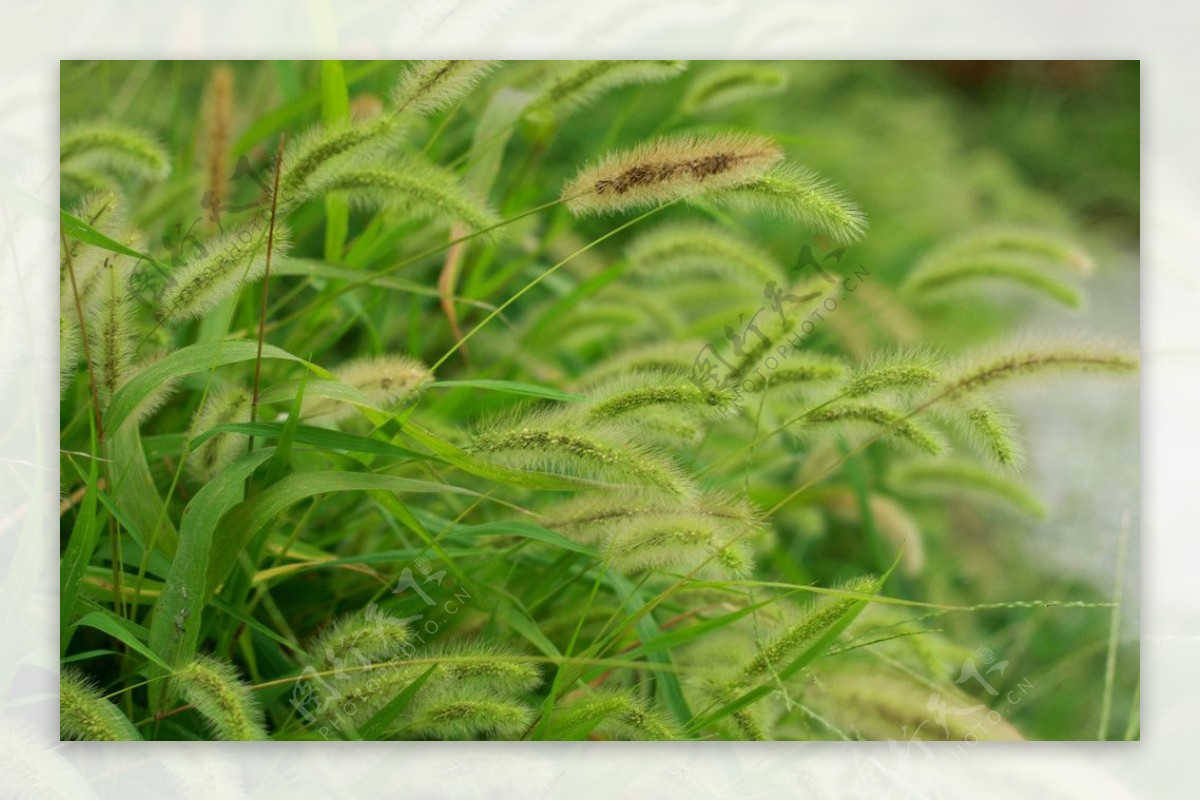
669,250
70,348
115,147
229,263
682,545
1022,257
732,83
612,715
896,426
473,715
320,146
869,701
1050,247
453,699
224,405
383,380
602,452
492,667
110,325
365,637
954,477
801,370
657,534
429,86
85,714
992,431
628,396
815,621
798,193
950,271
667,169
576,84
415,187
989,370
904,370
215,690
590,519
104,210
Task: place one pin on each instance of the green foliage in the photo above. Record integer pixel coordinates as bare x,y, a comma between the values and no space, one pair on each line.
543,426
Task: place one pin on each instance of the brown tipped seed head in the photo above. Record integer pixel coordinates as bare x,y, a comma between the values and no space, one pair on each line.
669,169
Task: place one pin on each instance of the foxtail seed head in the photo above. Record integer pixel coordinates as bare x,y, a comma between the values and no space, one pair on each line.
116,147
222,406
798,193
894,424
85,714
954,477
234,260
901,371
383,380
416,187
988,371
362,638
669,169
219,695
732,83
429,86
576,84
590,450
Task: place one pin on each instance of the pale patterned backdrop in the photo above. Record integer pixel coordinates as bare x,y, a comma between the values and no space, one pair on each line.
36,36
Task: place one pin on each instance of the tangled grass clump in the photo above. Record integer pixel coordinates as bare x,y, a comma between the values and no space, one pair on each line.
414,401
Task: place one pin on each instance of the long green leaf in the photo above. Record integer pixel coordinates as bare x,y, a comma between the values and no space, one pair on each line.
76,228
185,361
124,631
323,438
78,554
512,387
175,627
249,517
